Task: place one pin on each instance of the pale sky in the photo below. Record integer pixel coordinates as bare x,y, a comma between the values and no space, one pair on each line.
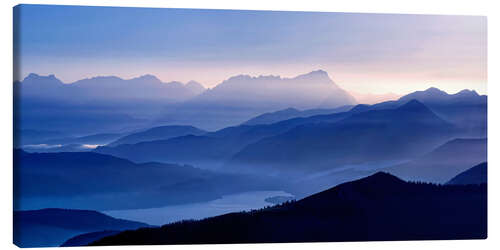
364,53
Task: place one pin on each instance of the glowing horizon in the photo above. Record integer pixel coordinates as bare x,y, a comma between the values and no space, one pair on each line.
363,53
351,91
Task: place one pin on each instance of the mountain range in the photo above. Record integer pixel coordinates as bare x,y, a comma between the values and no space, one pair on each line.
104,89
466,109
241,97
211,149
386,126
375,135
106,143
118,105
94,105
80,108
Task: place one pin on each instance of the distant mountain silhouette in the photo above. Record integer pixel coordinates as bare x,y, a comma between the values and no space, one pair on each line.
106,88
376,208
466,109
94,181
304,91
51,227
94,105
242,97
289,113
374,135
157,133
435,95
107,104
475,175
444,162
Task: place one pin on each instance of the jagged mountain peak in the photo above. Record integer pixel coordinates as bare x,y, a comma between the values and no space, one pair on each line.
33,77
147,77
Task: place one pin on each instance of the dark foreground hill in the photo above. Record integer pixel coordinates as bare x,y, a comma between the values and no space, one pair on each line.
87,238
474,175
51,227
378,207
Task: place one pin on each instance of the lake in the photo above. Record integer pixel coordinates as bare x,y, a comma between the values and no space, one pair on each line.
226,204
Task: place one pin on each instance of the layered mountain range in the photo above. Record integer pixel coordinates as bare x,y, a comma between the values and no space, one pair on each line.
107,143
119,105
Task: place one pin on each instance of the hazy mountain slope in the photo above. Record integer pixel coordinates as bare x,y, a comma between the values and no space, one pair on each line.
94,105
52,227
157,133
475,175
242,97
109,88
289,113
375,135
212,149
467,109
444,162
95,139
88,180
303,91
378,207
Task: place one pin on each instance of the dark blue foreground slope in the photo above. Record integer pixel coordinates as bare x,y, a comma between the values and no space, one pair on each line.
378,207
475,175
52,227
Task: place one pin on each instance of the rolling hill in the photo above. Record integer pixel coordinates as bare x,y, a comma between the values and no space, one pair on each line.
52,227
